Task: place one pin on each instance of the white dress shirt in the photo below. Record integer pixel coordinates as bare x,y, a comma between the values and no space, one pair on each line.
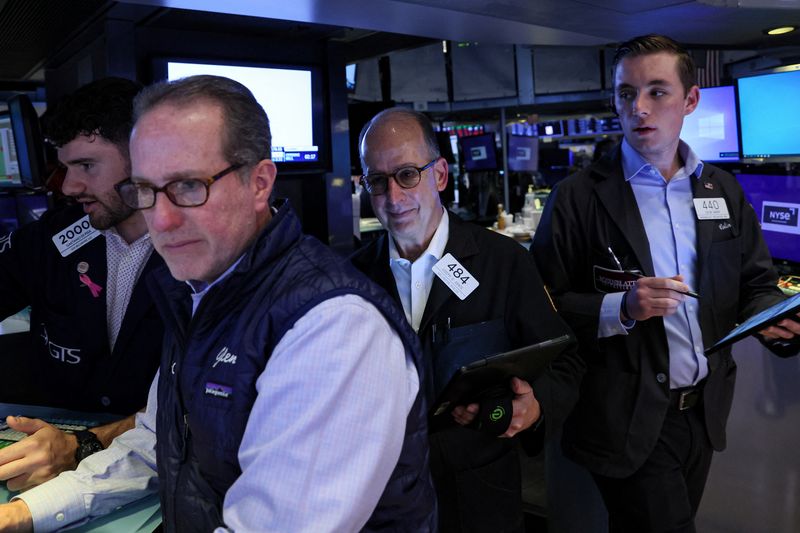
414,280
323,436
125,263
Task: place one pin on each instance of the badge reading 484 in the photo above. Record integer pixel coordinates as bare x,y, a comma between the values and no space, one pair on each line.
74,236
455,276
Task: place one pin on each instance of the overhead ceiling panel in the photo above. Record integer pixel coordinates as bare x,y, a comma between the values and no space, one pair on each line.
31,29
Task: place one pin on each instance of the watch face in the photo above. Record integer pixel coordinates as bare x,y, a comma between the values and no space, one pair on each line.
87,445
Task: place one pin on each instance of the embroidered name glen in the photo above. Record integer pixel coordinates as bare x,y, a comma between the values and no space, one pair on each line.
224,356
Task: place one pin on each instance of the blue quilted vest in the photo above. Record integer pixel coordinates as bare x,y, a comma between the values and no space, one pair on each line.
281,277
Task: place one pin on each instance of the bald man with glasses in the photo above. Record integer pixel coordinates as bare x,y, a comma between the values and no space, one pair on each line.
476,473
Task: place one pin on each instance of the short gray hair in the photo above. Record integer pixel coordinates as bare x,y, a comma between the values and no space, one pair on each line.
246,137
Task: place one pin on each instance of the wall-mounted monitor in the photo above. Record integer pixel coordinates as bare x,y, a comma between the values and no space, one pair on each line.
292,96
523,153
479,152
776,200
9,166
711,130
23,145
769,111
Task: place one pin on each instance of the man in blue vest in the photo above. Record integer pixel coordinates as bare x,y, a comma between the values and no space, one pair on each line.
287,398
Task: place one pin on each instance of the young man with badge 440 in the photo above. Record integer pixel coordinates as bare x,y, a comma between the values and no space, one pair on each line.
95,338
468,293
622,245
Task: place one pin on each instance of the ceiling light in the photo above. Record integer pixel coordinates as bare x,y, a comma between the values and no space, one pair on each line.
780,30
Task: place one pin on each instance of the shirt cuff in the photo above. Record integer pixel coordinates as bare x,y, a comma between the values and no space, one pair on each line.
55,504
609,322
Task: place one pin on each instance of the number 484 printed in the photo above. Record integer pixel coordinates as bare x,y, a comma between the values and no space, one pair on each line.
457,278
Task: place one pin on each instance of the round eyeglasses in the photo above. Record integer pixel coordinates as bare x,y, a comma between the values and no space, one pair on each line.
406,177
182,192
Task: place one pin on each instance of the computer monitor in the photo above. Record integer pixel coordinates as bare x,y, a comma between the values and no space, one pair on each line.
711,130
292,96
769,111
9,166
29,143
776,200
523,153
479,152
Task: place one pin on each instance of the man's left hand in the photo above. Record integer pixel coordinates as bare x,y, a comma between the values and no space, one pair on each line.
786,329
42,455
526,409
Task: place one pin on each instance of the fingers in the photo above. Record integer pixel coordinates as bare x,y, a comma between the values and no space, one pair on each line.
465,415
651,297
25,424
525,406
785,329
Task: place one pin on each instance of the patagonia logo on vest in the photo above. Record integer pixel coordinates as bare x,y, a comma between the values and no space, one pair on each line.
224,356
220,391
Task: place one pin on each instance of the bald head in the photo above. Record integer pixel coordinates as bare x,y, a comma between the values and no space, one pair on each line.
399,118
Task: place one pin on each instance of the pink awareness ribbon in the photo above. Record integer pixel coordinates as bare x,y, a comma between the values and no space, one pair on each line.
94,287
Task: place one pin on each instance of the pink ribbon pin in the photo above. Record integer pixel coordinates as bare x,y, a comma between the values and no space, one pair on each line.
94,287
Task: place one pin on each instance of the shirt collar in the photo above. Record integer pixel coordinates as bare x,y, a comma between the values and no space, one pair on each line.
435,247
633,163
112,233
199,288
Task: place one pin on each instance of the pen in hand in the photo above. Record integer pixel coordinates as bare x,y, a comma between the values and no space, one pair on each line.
691,294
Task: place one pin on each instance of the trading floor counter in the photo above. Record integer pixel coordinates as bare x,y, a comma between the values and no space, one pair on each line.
141,516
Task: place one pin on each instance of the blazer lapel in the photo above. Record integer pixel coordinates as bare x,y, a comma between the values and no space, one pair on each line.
461,245
140,302
617,197
705,187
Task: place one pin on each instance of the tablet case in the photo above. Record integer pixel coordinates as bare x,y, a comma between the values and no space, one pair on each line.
492,374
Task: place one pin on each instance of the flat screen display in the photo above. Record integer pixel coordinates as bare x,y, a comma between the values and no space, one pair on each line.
479,151
776,200
288,96
711,130
523,153
769,110
9,165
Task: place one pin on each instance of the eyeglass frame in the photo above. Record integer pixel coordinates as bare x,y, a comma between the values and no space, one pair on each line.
364,181
207,183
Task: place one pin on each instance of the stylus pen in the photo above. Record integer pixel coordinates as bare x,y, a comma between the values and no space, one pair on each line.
686,293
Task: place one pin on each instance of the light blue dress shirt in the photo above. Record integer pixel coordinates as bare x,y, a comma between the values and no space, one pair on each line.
667,210
322,439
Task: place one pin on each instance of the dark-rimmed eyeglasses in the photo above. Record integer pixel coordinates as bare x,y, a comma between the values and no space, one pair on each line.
406,177
188,192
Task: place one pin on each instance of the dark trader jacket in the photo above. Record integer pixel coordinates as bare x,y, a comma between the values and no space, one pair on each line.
477,477
68,360
625,393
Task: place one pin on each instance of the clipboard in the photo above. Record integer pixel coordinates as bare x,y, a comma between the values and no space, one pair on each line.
483,376
767,317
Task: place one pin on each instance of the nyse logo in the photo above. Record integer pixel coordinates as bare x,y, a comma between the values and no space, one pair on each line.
64,354
224,356
779,214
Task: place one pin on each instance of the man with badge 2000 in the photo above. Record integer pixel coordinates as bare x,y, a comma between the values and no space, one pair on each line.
468,292
652,407
95,338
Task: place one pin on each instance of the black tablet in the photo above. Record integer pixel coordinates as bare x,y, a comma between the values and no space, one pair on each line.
485,375
786,309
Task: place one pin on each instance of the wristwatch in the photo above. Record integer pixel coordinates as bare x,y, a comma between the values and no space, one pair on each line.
87,445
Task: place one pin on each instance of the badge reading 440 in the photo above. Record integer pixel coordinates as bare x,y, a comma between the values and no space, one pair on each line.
74,236
455,276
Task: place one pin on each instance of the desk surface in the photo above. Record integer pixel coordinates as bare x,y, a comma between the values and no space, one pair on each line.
140,516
